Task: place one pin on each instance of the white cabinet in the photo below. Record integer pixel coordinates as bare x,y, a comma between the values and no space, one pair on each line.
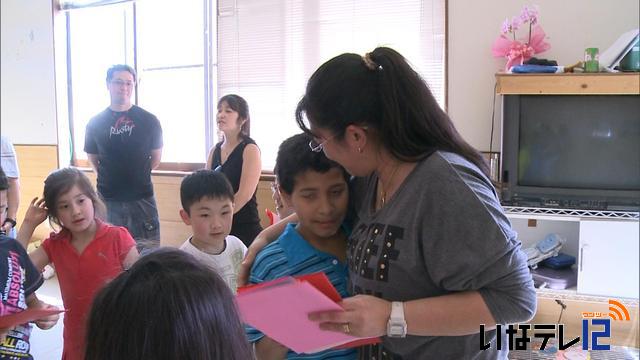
609,261
605,245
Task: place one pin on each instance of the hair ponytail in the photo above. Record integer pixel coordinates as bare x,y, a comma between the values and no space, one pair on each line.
382,91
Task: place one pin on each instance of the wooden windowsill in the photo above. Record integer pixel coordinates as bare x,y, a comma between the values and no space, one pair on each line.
266,175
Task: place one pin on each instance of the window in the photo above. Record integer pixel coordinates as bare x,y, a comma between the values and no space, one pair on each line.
263,50
269,48
91,52
171,68
169,47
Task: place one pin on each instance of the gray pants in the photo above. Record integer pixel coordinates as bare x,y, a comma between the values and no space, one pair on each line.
140,217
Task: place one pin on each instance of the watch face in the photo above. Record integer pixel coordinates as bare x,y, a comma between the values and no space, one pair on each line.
397,329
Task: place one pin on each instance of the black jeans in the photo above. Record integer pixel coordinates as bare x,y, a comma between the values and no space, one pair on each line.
140,217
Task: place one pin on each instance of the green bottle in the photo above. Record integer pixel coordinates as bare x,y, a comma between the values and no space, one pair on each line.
631,61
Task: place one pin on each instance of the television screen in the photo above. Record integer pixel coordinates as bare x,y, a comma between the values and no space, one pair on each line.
580,142
571,151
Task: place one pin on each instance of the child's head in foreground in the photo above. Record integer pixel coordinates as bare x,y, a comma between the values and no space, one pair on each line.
166,306
207,205
314,186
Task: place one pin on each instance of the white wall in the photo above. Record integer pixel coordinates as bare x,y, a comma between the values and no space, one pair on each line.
571,26
28,112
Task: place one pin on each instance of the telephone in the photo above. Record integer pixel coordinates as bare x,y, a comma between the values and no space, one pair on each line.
545,248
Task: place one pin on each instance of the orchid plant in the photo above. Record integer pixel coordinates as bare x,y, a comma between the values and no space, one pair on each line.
515,50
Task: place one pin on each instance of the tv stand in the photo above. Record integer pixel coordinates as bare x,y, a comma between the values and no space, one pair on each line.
605,245
604,242
577,204
551,212
586,224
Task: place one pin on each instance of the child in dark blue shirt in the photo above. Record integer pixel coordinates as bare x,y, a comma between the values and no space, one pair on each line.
19,280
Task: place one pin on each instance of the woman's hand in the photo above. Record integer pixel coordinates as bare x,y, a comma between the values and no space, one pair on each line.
36,213
364,316
6,227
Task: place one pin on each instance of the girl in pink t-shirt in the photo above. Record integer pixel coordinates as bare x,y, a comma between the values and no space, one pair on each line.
86,252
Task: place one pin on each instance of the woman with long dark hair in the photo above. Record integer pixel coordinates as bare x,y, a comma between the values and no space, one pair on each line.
432,255
238,157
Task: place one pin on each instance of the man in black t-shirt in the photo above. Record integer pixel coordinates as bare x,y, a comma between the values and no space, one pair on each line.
124,143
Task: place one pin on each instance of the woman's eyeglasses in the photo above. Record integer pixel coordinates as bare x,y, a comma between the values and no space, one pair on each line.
120,83
318,146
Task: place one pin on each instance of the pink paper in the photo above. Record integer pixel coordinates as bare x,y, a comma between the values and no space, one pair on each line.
281,312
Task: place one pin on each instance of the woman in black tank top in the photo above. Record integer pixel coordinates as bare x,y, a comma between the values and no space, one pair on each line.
238,157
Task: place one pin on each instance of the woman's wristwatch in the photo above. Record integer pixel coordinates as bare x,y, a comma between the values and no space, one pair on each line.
10,221
397,326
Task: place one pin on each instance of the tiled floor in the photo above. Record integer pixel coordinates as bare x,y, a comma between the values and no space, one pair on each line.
47,344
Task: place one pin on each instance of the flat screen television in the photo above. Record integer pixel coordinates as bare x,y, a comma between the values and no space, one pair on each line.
571,151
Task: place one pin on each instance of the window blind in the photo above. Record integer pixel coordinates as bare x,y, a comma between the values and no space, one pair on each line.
267,50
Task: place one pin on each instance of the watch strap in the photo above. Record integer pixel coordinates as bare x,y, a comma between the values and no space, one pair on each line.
397,326
10,221
397,311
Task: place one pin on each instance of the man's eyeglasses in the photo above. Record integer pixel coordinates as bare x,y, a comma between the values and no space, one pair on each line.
318,146
122,83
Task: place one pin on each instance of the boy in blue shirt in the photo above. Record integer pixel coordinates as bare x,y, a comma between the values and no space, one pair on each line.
316,188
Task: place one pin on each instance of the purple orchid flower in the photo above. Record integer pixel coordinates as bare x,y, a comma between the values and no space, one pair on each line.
529,14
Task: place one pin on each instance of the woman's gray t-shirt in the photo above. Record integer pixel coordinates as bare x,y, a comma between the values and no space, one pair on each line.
443,231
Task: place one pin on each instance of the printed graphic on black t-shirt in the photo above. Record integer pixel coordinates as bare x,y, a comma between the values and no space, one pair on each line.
19,279
123,126
123,142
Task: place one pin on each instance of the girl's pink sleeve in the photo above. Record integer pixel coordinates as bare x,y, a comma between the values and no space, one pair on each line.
46,245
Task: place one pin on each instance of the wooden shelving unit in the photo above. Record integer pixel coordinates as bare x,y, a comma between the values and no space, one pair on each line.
568,84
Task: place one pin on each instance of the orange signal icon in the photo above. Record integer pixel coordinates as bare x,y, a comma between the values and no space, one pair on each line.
617,311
